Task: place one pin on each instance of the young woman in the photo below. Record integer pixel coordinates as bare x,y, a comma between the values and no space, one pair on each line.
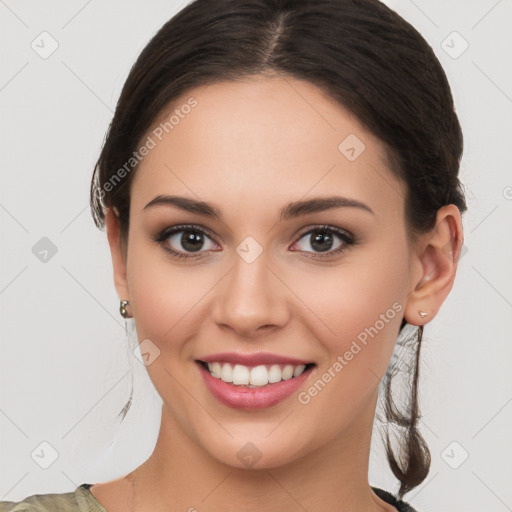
279,187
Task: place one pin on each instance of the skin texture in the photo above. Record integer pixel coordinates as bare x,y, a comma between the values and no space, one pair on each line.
251,147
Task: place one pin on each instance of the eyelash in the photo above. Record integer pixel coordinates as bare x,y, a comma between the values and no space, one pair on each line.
346,238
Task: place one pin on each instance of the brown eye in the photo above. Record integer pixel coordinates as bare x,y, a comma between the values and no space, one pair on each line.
324,239
184,241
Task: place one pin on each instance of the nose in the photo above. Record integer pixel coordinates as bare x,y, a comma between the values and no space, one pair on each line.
251,299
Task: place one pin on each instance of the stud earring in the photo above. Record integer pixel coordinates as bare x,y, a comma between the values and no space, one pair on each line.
122,308
422,314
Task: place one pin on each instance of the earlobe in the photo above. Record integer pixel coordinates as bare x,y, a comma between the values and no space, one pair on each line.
438,261
116,251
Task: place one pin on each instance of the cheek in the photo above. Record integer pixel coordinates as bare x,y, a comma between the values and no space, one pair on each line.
166,301
357,317
358,307
156,291
167,298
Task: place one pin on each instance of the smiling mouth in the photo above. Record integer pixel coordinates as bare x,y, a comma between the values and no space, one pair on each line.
254,376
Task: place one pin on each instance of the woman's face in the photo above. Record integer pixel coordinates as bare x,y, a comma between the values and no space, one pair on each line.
267,275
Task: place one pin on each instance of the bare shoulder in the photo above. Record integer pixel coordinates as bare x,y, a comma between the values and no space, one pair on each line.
114,495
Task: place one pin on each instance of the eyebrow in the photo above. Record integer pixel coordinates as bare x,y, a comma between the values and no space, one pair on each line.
292,210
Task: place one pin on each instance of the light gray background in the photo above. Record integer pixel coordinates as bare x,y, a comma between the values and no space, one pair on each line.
65,361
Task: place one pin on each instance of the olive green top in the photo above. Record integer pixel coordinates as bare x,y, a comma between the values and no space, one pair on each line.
82,500
79,500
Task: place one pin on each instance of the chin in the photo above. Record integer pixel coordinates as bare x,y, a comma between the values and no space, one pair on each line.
262,451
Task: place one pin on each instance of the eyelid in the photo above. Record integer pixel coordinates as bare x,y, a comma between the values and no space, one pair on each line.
327,227
170,230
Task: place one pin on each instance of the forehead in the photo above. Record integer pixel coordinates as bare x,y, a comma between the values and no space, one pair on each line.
260,142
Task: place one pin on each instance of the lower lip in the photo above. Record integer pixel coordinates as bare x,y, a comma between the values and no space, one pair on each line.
242,397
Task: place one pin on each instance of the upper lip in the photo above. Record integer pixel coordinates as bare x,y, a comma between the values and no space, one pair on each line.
251,359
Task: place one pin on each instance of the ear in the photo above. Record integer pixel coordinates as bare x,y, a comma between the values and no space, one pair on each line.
118,254
437,255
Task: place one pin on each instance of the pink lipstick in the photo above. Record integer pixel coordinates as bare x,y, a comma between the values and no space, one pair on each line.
253,381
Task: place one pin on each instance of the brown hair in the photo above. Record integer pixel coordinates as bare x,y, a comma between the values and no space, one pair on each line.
365,56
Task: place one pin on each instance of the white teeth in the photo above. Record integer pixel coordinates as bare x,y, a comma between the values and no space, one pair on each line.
227,373
258,376
274,374
255,376
299,370
287,373
240,375
215,369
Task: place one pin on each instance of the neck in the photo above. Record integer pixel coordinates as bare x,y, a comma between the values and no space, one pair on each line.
179,475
